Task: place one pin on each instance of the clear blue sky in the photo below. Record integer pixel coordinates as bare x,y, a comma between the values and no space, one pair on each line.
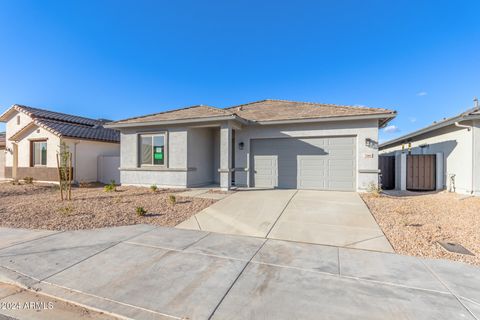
116,59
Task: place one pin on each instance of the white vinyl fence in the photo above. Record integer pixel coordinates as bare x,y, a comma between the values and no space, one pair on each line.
108,169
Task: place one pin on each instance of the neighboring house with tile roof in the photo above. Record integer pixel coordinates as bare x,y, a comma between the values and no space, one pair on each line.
33,138
454,141
267,144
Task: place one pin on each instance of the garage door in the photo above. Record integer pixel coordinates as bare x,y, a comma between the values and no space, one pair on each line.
307,163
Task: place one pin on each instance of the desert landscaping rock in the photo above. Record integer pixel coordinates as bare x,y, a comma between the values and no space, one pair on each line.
414,223
39,207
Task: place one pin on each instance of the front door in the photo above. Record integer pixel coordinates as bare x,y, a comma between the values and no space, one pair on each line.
265,173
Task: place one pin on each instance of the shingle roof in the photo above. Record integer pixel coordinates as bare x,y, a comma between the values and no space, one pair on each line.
67,125
276,110
264,110
194,112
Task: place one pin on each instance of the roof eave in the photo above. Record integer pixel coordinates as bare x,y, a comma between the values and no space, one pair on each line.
115,125
429,128
386,116
4,116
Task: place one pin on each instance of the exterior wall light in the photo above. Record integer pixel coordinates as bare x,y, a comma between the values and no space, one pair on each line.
371,143
241,145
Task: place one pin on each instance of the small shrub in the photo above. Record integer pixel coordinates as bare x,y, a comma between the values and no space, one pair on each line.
112,187
172,199
374,189
141,211
66,210
154,188
28,180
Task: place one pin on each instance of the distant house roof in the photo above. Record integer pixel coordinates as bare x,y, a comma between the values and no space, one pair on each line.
470,114
2,140
263,111
64,125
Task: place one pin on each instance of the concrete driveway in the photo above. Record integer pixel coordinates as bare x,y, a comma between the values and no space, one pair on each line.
318,217
144,272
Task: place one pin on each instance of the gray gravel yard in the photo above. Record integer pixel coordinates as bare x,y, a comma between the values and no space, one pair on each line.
38,206
413,223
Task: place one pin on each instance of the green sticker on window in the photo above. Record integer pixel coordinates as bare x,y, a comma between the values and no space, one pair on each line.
158,156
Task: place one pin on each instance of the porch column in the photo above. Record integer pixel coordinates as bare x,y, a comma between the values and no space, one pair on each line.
225,156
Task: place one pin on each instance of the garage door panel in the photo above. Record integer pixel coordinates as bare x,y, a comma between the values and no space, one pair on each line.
340,186
337,141
308,163
265,171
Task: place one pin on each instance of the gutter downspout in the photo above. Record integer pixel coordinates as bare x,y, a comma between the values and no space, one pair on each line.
470,128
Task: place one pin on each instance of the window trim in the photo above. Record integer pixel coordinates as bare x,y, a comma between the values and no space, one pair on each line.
32,153
165,145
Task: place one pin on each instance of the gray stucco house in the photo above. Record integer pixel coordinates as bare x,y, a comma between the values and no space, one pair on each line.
456,143
266,144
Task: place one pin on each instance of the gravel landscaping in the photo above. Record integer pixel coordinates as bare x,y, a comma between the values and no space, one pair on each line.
413,223
39,207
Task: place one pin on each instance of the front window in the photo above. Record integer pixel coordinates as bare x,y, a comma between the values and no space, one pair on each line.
39,153
152,149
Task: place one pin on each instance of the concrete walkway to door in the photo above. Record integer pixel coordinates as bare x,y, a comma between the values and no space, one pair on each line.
320,217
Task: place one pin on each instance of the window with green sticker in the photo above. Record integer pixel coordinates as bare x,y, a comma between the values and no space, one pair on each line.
152,149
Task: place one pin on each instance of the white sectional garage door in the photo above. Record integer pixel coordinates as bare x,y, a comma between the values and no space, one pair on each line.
304,163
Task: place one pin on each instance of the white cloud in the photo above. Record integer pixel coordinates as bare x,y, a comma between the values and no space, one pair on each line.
412,119
391,129
422,93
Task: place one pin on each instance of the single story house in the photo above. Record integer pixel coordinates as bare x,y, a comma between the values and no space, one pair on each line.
2,155
265,144
34,137
456,143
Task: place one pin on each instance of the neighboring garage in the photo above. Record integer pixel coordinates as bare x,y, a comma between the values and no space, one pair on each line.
320,163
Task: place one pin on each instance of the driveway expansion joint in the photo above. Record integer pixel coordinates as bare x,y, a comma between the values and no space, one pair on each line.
360,241
34,239
457,297
113,244
236,279
281,213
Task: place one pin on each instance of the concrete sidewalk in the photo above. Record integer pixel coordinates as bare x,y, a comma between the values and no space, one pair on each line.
145,272
318,217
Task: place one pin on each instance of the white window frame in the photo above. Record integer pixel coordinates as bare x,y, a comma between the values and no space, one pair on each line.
164,134
33,153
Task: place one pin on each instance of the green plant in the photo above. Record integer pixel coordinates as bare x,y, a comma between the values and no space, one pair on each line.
172,199
141,211
28,180
154,188
112,187
66,210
